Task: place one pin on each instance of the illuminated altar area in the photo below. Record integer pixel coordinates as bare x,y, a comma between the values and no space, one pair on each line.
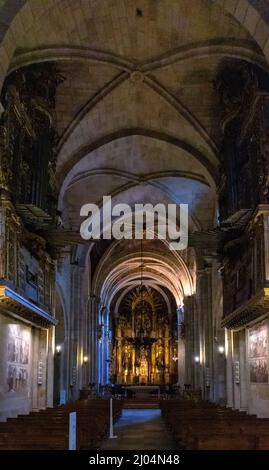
144,340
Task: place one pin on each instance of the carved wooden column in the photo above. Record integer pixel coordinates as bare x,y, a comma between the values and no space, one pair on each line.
166,356
7,137
119,355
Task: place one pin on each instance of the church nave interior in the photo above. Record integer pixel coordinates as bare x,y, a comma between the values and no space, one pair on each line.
113,107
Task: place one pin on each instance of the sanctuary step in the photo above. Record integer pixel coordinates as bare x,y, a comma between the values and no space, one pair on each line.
141,403
207,426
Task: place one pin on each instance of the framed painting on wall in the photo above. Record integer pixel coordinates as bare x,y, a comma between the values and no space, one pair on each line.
18,359
258,354
258,370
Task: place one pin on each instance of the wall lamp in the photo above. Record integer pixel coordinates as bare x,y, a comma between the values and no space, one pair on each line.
58,349
221,350
197,360
85,360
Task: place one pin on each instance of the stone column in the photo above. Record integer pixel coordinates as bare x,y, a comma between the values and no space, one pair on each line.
218,336
190,351
100,345
106,339
93,357
50,365
206,337
75,332
229,369
236,358
180,347
34,365
102,329
42,367
243,371
86,339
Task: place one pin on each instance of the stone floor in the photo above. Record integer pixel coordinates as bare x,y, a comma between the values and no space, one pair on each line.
138,430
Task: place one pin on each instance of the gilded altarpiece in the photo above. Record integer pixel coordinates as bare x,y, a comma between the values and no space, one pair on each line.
144,340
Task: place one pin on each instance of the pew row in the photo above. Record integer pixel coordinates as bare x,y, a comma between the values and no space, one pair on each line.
49,429
206,426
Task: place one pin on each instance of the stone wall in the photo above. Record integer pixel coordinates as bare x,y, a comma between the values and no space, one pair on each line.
16,357
248,360
25,373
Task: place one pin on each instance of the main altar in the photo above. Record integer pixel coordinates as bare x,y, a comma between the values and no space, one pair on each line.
144,341
143,391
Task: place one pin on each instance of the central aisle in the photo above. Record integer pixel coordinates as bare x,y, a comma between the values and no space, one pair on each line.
139,430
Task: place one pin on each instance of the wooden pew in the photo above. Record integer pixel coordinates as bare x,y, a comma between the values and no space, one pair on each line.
49,429
203,425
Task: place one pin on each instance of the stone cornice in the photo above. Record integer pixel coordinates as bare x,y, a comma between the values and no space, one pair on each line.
251,310
13,303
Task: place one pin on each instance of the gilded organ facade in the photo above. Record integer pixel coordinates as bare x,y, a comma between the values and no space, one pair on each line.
28,202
